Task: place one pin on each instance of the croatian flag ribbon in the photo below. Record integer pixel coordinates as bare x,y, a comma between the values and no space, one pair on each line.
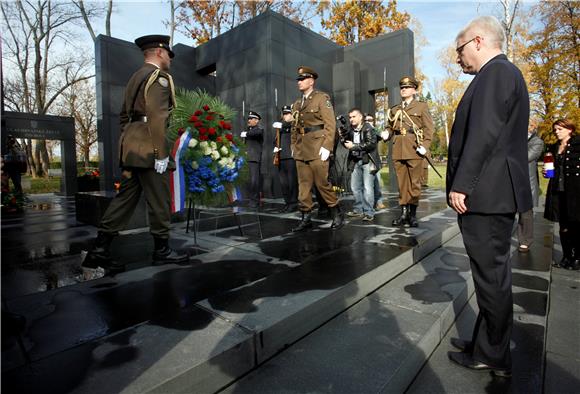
177,179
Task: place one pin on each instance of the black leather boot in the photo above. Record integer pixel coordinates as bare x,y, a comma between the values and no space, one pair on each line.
100,254
413,216
337,217
305,223
163,254
574,261
404,218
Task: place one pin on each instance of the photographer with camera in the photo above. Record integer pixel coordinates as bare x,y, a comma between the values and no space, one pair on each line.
363,161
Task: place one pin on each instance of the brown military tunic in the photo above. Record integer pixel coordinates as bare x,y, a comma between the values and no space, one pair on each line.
408,163
149,99
314,127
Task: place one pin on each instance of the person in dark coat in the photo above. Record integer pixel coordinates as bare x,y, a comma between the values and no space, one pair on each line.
563,196
487,183
284,162
526,219
254,137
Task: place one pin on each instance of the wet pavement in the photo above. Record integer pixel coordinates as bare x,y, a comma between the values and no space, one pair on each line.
230,268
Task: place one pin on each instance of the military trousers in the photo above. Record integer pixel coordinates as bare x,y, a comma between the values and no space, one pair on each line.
288,181
314,172
157,194
409,180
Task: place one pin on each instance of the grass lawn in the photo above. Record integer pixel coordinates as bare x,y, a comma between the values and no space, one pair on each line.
40,185
439,183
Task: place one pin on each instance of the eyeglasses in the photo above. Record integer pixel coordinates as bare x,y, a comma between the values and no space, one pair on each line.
459,49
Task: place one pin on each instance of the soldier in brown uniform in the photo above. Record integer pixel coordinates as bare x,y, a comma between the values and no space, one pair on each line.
144,157
312,141
411,127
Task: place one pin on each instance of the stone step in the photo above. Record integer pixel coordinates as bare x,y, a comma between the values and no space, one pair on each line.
294,284
380,343
531,293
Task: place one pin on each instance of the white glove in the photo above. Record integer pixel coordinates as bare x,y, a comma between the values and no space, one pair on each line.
324,153
421,150
161,165
243,134
277,125
385,135
276,149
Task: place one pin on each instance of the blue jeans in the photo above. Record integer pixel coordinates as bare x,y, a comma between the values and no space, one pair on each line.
362,184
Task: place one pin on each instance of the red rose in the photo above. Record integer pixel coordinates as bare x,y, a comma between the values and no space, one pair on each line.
229,136
219,138
211,131
206,107
198,112
203,137
227,126
202,130
180,131
209,117
193,118
198,124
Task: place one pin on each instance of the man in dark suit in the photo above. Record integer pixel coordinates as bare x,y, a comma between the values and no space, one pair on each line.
487,183
254,137
144,157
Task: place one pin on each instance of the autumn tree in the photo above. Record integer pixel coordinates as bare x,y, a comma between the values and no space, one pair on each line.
352,21
554,55
96,10
206,19
79,102
35,75
447,93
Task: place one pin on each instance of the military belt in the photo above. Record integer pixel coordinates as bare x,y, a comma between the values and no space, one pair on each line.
139,119
304,130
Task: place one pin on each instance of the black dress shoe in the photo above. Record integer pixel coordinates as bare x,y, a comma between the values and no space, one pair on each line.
466,361
461,344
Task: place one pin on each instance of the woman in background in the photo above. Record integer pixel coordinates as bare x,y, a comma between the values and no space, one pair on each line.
562,201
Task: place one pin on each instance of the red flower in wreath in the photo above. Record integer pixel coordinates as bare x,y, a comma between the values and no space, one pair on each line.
198,124
198,112
227,126
202,130
211,131
193,118
206,107
219,138
203,137
229,136
180,131
209,117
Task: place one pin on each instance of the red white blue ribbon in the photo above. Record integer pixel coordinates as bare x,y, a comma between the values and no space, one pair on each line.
177,180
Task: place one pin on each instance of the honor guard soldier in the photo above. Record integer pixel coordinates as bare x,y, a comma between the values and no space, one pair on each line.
144,157
284,162
410,126
254,137
313,134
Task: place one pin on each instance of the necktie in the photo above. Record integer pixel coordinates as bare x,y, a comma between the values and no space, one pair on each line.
404,104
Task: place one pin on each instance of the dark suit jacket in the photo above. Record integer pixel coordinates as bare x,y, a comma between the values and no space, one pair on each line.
488,158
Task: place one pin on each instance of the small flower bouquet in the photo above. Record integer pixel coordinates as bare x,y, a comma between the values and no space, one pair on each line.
208,156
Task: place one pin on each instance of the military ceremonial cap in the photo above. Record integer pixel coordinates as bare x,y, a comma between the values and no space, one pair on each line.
408,82
154,41
306,72
286,109
254,115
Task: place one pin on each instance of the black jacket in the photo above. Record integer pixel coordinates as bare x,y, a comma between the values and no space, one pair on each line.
568,166
254,140
366,150
488,158
285,141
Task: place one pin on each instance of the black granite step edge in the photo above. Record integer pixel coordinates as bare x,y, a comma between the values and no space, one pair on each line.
273,336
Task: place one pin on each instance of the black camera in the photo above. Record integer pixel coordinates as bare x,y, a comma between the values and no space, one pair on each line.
343,127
